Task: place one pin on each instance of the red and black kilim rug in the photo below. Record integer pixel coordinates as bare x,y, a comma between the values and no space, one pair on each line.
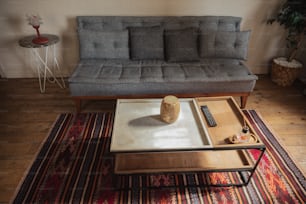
74,166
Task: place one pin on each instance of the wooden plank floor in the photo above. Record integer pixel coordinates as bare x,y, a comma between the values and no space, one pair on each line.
26,117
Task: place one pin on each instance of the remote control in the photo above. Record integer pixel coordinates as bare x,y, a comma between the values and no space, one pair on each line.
209,118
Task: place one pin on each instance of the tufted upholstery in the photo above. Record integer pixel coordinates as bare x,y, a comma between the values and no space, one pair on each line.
159,76
106,44
208,23
97,26
107,70
225,44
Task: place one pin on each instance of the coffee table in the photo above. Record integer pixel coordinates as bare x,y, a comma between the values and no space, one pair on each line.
143,144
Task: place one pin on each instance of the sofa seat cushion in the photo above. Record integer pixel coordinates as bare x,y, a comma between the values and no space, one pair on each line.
124,77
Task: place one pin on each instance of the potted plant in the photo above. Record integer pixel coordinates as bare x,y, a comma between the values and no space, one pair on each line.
292,16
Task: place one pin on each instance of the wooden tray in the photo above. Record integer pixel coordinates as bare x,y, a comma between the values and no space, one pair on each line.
229,119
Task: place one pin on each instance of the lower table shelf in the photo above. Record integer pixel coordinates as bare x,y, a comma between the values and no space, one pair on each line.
208,160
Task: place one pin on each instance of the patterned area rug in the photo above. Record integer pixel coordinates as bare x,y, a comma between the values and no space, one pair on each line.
74,166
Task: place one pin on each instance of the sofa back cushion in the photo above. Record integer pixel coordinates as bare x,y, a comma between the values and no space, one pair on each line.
209,23
182,45
146,43
224,44
104,44
106,37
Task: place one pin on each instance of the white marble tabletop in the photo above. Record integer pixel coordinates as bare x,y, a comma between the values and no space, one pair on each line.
138,127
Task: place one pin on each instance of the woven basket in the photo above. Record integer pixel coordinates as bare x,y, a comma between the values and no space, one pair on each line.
283,75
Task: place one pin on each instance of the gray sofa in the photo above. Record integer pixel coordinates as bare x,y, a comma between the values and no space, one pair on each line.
135,57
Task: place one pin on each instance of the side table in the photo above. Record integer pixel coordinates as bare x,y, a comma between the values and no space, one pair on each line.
44,71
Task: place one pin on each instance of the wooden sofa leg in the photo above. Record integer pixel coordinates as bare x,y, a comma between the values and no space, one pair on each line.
243,101
77,105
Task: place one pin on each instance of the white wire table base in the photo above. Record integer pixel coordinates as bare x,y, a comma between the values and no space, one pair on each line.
44,71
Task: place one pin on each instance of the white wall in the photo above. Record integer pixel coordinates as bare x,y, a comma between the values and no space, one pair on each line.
59,18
